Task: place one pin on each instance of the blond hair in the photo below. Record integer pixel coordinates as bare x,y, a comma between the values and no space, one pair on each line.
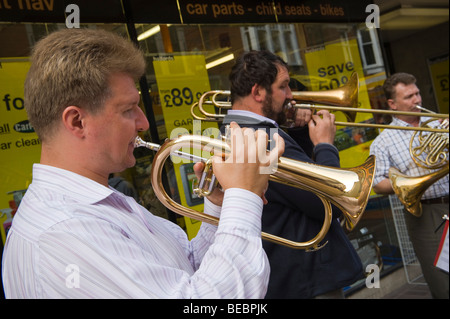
73,67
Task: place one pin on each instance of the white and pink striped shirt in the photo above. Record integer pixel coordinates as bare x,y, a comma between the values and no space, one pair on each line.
74,238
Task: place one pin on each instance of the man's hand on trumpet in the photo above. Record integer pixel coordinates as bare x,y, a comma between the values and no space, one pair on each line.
247,165
299,117
322,128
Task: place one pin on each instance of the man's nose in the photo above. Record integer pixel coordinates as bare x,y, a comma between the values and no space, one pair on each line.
289,93
418,99
142,123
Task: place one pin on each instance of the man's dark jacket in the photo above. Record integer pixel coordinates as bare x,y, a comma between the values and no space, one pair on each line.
298,215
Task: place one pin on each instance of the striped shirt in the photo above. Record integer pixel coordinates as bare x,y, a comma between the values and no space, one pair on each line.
391,149
74,238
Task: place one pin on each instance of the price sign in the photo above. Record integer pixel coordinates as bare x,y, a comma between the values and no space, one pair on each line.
331,67
181,82
178,97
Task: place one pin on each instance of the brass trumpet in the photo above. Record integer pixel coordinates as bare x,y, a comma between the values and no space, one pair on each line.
348,189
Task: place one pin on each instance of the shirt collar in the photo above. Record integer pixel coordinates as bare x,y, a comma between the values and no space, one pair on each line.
252,115
69,184
396,121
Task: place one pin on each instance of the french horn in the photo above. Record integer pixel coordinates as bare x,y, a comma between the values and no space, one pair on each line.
431,153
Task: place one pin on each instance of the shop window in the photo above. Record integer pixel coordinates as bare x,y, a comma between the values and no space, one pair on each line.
278,38
370,51
295,43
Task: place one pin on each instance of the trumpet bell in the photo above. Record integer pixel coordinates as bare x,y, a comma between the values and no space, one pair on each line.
347,188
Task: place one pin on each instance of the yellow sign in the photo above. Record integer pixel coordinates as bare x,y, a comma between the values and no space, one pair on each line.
331,66
19,144
439,74
181,82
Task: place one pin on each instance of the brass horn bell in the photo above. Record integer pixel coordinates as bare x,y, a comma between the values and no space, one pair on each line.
345,96
409,189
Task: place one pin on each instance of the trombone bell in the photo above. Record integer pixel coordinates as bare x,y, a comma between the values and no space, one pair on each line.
345,96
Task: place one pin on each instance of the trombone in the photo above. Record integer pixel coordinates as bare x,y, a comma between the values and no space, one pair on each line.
344,99
348,189
377,111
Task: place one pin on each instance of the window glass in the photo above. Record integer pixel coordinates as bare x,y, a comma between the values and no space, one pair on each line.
321,56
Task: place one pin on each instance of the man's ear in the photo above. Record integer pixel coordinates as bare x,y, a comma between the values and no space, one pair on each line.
73,120
391,104
258,93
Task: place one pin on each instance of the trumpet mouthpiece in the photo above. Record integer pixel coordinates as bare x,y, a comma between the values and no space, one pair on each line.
424,109
139,142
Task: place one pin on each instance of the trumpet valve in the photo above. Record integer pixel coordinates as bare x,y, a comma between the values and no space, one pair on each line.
207,182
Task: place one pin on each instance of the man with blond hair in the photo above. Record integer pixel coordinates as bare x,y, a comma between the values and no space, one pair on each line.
74,236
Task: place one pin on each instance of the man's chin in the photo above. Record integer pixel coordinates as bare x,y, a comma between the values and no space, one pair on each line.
131,162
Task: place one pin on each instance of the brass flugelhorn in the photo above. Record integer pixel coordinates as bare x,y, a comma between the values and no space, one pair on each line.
348,189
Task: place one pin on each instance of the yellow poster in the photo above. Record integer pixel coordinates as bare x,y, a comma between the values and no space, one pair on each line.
439,75
331,66
181,82
19,144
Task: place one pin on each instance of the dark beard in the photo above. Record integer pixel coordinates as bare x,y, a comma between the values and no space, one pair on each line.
270,113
